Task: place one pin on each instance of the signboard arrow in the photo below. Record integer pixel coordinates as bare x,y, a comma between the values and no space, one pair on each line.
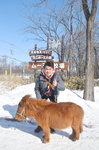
40,52
41,57
39,65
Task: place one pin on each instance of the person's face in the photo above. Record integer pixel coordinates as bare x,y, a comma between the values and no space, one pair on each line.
48,71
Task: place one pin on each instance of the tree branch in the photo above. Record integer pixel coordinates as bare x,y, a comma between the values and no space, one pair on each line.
86,9
94,8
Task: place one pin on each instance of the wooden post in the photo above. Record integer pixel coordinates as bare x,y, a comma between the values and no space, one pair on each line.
62,49
35,72
64,72
48,39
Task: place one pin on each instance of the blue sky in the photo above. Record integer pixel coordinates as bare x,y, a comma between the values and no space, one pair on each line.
12,36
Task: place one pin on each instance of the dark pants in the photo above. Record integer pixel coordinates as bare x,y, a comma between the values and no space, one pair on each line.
53,98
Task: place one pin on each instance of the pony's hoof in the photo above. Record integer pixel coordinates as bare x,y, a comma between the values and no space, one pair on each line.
44,140
72,138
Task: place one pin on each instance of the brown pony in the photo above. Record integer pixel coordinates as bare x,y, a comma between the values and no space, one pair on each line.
52,115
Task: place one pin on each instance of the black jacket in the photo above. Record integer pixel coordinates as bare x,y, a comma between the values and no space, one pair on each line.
41,85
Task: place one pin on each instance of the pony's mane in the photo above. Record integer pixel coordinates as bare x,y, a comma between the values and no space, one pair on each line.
39,101
35,103
29,98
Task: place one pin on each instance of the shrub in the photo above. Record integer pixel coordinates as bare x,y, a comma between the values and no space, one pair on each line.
96,82
75,83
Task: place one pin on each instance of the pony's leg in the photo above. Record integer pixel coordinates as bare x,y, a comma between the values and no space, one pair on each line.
81,128
72,135
75,133
46,137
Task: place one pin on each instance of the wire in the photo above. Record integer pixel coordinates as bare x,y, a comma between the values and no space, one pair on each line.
11,58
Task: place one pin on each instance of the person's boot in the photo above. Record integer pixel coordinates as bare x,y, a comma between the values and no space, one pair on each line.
38,129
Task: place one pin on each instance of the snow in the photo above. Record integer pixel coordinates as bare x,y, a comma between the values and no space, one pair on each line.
20,135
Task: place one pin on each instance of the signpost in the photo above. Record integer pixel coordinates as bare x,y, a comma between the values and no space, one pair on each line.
44,55
39,65
41,57
40,52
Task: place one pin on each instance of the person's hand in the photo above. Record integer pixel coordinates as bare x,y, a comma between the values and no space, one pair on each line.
55,82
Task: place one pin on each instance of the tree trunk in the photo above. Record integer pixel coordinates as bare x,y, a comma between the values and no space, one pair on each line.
89,72
71,43
96,66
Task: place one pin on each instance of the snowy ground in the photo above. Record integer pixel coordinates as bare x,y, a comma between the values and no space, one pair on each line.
21,136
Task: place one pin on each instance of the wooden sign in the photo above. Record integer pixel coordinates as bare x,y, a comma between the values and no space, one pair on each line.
39,65
40,52
41,57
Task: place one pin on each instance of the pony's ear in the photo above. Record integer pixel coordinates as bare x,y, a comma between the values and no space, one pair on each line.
25,99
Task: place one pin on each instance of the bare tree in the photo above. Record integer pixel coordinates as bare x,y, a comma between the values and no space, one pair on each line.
96,66
89,76
67,21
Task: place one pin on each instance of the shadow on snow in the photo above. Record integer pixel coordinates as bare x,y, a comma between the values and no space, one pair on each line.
23,125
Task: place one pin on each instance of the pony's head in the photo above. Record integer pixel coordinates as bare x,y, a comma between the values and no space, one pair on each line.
21,113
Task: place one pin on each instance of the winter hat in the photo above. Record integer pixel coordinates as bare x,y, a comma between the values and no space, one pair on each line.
49,63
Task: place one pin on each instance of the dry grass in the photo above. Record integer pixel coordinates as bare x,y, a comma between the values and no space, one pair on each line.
10,82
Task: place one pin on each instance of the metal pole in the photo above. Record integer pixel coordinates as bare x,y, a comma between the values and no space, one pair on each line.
10,63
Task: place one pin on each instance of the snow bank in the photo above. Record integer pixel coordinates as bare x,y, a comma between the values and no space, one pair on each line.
20,135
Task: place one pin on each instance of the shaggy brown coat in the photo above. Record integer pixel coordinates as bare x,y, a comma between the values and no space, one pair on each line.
52,115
